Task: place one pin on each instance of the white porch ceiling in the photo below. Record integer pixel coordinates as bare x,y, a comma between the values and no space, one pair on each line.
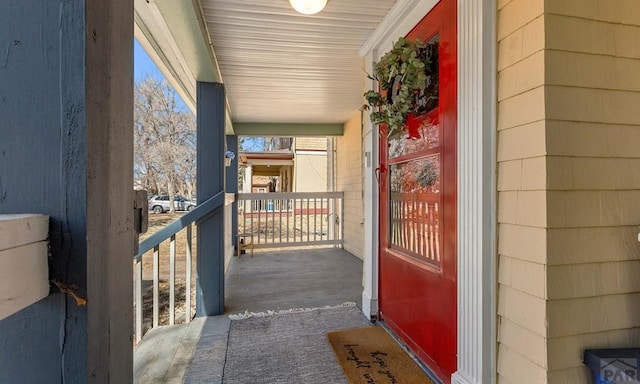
282,67
285,73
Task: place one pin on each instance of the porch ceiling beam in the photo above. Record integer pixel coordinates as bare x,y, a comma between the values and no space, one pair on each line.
288,129
266,162
181,50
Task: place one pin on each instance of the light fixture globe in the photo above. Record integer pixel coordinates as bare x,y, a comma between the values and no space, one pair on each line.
308,7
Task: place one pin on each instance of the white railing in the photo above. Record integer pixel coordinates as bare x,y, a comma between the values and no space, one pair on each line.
290,219
160,297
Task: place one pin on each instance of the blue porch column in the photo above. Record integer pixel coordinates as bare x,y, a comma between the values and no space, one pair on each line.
66,150
210,174
232,185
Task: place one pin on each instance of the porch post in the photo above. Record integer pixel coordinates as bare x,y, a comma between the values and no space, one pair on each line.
210,176
248,178
476,192
232,184
67,151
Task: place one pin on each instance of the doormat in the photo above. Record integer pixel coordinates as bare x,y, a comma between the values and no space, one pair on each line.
370,356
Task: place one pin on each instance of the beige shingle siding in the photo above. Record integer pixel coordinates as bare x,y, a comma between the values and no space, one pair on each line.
593,94
311,143
349,180
522,218
568,184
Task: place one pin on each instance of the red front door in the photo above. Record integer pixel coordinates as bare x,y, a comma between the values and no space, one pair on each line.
418,213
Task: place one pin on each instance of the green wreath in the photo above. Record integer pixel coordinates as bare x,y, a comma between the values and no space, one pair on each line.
403,75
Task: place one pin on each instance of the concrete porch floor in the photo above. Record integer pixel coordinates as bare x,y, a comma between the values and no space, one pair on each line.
271,280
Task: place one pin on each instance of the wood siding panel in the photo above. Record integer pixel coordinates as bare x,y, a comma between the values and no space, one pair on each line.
525,310
592,93
624,11
517,368
523,276
523,243
518,13
525,108
593,37
521,44
577,69
593,314
562,349
588,139
522,142
588,173
521,183
574,209
518,338
593,279
522,76
522,208
592,245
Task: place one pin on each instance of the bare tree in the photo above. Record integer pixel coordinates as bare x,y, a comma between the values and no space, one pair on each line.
165,140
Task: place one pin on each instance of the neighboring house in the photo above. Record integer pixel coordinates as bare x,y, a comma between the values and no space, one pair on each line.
263,169
310,170
534,256
300,168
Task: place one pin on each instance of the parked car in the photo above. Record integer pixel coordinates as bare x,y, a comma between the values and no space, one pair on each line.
160,203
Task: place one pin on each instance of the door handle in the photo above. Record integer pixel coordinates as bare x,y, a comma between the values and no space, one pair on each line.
381,173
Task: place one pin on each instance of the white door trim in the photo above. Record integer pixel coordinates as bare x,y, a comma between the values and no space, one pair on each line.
476,192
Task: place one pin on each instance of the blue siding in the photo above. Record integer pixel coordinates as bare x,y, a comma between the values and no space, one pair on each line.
231,184
42,170
210,176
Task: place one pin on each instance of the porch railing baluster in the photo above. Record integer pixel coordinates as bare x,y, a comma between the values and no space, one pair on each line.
273,224
172,280
295,219
188,266
292,218
138,302
315,217
156,285
153,243
280,209
288,217
308,223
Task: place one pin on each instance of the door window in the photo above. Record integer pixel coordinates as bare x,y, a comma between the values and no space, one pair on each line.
414,177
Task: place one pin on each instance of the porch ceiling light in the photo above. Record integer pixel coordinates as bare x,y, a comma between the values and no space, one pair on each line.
308,7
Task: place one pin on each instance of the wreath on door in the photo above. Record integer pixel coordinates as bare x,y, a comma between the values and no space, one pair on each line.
408,87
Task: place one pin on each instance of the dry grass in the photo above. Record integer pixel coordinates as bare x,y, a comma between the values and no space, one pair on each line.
156,223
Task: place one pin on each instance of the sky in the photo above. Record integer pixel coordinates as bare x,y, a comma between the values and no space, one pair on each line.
143,66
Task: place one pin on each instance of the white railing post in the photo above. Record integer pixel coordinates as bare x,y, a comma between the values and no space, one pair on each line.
139,302
172,280
340,220
187,288
156,285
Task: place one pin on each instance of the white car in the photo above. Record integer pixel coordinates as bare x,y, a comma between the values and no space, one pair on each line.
160,203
